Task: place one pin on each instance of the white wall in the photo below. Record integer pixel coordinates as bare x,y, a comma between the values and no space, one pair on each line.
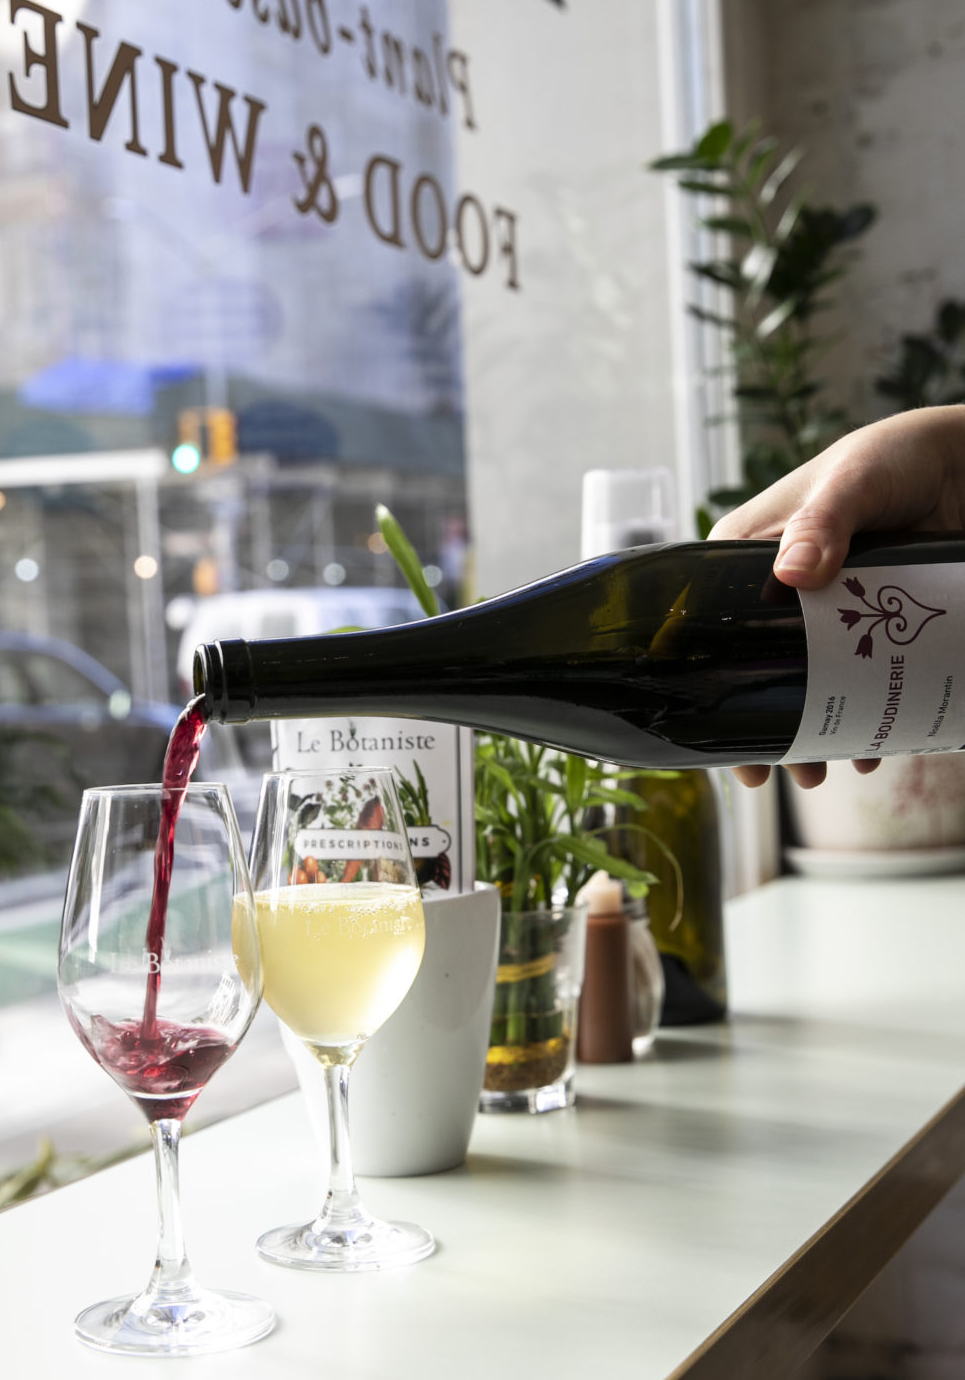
574,370
872,89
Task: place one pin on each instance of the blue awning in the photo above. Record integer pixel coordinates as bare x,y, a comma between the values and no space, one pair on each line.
76,384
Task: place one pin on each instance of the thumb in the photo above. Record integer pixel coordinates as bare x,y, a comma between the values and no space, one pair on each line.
815,541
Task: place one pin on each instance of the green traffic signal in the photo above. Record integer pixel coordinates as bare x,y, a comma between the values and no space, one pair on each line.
186,458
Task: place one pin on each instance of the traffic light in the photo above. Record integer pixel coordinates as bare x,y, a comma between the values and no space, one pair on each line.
205,433
186,457
222,438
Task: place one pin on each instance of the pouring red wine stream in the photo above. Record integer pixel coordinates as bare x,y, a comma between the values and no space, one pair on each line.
180,760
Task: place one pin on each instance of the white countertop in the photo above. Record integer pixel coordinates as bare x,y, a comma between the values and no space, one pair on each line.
710,1211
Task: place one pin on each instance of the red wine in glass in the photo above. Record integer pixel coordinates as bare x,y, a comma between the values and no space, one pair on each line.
162,1072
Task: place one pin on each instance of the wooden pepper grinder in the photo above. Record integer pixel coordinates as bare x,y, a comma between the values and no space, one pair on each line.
604,1026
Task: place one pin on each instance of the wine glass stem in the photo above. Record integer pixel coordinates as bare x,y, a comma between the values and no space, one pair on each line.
172,1278
342,1203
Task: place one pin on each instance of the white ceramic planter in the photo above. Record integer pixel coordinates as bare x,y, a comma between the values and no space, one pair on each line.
908,803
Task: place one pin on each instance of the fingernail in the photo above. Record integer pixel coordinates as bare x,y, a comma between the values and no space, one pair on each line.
803,558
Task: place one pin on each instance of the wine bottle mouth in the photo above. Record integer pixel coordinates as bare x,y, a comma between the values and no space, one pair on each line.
222,674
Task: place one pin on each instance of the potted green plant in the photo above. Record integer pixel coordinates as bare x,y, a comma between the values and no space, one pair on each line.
775,254
536,841
929,369
542,821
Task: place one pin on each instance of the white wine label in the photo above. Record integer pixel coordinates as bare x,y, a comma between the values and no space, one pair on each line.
886,664
433,766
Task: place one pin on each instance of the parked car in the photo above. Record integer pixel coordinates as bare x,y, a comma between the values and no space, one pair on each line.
66,723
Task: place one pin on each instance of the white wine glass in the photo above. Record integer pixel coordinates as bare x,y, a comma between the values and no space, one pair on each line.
160,975
342,935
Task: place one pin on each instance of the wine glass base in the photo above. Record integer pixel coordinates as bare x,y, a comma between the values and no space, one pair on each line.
208,1321
372,1246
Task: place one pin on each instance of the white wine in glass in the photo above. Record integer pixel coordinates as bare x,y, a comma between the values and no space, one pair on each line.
342,934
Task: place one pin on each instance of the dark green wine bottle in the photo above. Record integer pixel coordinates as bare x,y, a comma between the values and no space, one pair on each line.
680,655
685,907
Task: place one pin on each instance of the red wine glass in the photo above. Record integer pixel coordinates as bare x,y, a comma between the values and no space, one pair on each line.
160,976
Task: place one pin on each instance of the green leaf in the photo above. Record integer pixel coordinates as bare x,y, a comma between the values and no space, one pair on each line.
728,274
758,265
490,774
613,795
756,392
758,163
856,220
577,773
22,1183
764,469
404,554
716,141
679,162
822,428
729,498
799,392
950,321
710,318
775,319
705,186
729,225
789,219
776,179
597,857
745,138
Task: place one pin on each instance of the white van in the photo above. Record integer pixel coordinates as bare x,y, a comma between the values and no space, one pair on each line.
258,613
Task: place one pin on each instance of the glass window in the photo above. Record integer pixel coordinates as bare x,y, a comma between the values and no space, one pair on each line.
56,682
223,340
14,689
257,259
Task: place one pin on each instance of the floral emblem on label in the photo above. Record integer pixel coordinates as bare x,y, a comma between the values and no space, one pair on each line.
901,616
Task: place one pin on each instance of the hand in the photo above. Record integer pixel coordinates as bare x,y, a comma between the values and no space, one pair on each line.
906,473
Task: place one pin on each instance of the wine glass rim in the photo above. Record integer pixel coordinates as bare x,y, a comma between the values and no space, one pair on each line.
135,788
314,773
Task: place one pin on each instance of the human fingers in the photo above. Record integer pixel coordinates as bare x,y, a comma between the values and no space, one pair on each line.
806,774
752,776
814,512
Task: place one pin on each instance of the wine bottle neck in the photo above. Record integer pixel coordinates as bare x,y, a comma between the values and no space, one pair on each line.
224,678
